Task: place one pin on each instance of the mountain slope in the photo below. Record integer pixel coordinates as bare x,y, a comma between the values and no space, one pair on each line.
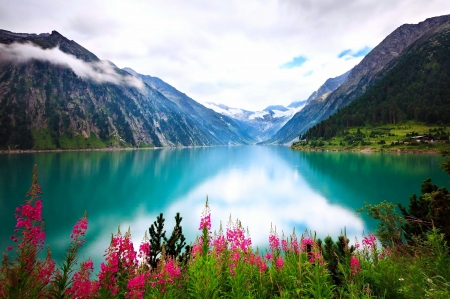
361,77
260,125
289,131
209,121
56,94
414,86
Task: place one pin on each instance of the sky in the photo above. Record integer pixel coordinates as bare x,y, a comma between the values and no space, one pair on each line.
245,54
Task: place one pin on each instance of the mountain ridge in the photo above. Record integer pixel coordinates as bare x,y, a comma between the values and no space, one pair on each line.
56,94
361,77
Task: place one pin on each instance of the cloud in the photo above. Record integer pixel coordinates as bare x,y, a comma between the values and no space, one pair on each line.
240,42
355,54
100,72
295,62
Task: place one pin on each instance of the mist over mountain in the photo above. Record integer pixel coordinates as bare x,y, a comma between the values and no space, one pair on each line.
56,94
260,125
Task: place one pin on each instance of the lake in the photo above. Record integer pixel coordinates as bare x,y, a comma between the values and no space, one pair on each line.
259,185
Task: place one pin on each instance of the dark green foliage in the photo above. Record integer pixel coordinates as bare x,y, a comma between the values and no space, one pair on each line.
335,253
415,87
173,246
431,209
389,230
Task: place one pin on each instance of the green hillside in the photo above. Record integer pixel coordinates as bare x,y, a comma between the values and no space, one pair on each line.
415,87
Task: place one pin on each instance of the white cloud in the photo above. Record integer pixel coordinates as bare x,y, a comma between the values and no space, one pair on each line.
100,71
242,43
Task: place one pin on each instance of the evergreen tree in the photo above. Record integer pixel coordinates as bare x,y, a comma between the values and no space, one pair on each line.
431,209
172,246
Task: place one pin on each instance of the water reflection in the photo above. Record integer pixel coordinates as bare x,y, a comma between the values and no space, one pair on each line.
259,185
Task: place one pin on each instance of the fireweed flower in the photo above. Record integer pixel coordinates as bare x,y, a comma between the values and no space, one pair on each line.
369,242
279,263
79,231
306,244
237,238
136,287
274,241
29,218
355,266
120,258
82,286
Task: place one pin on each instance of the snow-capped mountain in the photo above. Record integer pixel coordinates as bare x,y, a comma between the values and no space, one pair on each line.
260,125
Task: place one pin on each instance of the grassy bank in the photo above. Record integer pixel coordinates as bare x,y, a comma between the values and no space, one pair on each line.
405,137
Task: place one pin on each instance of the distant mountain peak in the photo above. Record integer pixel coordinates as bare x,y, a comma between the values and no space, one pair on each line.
276,107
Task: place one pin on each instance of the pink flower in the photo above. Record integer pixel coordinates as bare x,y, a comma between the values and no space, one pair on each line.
279,263
354,265
274,241
172,269
205,222
369,242
306,242
79,231
136,287
82,286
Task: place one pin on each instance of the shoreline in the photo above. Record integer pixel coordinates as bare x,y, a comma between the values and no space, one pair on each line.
109,149
106,149
369,151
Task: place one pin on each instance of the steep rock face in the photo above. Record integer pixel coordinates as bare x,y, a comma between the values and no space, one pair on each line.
56,94
360,78
218,127
310,112
328,87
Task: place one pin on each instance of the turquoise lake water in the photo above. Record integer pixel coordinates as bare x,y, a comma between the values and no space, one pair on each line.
259,185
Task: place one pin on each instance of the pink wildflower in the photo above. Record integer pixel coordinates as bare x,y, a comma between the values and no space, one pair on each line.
79,231
369,242
120,257
306,244
284,245
219,244
279,263
274,241
236,236
28,221
136,287
82,286
172,269
354,265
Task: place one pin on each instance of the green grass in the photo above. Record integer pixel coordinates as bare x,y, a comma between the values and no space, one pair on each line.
43,140
381,138
80,142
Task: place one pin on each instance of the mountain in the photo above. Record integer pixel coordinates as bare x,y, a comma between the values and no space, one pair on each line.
56,94
328,87
289,131
414,86
360,78
260,125
205,118
297,104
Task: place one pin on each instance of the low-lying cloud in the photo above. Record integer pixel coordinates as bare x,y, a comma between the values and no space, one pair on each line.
100,71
